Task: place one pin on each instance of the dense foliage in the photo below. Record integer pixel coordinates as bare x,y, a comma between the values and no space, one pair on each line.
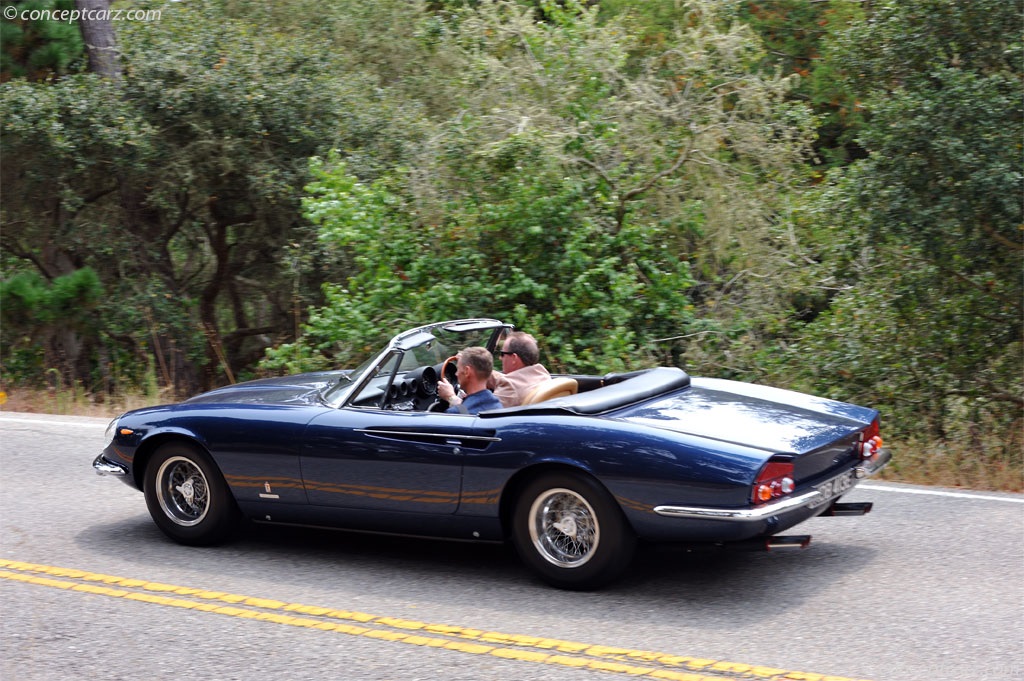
824,196
36,49
925,231
573,189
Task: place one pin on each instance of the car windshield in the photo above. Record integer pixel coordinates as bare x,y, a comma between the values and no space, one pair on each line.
443,345
430,347
335,394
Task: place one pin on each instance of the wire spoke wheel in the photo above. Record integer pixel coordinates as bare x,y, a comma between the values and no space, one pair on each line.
183,491
187,496
564,528
571,531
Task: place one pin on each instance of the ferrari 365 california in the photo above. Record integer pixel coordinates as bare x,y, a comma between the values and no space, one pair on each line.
572,481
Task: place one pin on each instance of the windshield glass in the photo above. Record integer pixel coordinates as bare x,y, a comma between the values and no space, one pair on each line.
444,345
430,347
335,395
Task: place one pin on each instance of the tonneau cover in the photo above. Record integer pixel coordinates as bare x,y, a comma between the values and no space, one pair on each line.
618,390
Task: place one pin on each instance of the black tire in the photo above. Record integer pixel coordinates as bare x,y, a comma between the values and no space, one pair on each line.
187,496
570,531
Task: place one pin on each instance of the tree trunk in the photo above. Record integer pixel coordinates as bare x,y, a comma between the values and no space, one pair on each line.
99,37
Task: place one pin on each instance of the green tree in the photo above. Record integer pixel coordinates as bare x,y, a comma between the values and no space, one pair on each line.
572,190
923,235
39,49
45,324
180,185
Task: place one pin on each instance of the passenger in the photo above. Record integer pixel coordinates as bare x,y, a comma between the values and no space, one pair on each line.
473,370
521,372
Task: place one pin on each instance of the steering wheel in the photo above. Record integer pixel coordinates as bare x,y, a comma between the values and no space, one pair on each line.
450,371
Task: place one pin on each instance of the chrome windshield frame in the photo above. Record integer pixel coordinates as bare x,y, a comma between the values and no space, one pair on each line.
412,338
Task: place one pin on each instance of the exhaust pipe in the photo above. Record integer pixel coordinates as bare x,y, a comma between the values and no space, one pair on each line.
796,541
838,509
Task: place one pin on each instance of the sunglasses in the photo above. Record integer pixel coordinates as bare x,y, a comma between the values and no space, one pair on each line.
503,353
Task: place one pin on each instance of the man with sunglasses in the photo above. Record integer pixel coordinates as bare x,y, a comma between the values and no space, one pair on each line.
521,371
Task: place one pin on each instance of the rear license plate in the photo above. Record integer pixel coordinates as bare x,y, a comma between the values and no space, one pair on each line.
830,489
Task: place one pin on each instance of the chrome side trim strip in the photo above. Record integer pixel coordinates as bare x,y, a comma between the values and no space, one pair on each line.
104,466
383,432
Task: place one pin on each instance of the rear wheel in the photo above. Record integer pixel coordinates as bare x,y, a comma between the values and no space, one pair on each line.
569,529
187,496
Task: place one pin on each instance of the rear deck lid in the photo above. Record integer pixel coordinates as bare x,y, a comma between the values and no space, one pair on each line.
761,417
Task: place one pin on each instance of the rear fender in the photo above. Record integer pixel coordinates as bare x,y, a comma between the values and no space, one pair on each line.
513,488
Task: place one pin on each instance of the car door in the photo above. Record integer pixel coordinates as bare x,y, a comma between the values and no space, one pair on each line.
364,458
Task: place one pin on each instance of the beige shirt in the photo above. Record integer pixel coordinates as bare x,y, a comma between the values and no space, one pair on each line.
513,387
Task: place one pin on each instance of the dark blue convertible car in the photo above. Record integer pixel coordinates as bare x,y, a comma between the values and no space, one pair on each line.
574,477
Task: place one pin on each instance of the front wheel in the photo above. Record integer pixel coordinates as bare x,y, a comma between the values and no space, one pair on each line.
187,496
569,529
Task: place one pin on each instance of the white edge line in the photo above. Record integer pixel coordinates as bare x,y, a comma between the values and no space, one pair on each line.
55,422
938,493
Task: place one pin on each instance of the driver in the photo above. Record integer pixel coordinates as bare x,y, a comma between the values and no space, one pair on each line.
521,370
473,371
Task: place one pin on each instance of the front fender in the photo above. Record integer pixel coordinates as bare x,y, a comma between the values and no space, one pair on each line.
147,442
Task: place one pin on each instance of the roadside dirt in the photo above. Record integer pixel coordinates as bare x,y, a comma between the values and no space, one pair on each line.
53,402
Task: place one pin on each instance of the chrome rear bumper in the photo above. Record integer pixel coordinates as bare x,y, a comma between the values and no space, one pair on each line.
811,499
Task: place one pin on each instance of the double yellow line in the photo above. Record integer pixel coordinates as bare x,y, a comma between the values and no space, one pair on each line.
538,650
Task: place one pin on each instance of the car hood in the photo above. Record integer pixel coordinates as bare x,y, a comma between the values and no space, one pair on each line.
753,416
298,389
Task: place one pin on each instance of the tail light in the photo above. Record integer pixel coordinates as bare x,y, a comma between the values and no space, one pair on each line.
774,481
870,440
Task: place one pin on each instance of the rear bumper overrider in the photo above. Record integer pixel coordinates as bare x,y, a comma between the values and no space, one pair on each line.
753,514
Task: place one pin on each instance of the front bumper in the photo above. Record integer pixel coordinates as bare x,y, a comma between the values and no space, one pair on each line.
104,466
805,503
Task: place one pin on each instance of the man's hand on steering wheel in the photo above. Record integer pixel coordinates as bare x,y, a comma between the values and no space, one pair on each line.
445,391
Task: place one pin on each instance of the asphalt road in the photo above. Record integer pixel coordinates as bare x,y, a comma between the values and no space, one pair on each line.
928,586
